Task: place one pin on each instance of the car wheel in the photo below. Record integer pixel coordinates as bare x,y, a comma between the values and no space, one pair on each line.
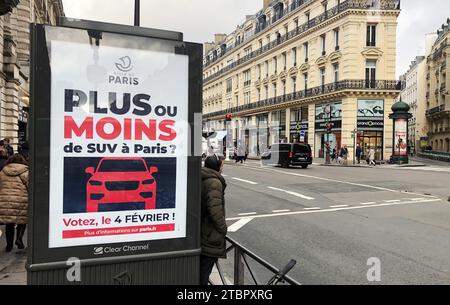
305,166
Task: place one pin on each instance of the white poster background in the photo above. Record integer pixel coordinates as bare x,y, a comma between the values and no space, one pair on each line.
164,76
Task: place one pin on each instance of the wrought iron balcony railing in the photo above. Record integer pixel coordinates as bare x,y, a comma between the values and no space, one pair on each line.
391,85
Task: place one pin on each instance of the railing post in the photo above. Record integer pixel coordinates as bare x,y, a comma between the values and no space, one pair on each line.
238,267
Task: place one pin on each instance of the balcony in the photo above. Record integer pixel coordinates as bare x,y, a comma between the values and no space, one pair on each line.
435,111
338,9
386,85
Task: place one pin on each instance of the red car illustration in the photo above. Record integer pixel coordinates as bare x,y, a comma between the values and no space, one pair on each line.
117,182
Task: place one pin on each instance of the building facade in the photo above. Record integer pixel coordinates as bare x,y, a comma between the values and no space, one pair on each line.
438,86
15,63
297,66
414,92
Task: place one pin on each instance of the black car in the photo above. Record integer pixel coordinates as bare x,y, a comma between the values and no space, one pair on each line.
297,154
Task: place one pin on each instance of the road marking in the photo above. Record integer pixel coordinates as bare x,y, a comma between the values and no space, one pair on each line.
339,206
239,224
246,181
344,182
280,211
368,203
414,199
341,209
224,175
291,193
312,209
391,201
246,214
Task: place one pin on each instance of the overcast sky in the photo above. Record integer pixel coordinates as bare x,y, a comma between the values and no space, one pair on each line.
200,19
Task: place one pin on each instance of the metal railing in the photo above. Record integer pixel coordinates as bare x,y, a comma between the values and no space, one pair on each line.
344,6
312,92
241,255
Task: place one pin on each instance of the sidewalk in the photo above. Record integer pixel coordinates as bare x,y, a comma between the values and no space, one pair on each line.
430,162
412,163
12,265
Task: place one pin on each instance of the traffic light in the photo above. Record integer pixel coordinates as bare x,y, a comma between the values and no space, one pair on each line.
228,117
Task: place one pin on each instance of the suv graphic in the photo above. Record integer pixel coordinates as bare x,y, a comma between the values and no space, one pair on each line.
119,183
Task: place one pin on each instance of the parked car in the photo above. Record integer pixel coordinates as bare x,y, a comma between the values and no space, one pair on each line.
118,182
285,155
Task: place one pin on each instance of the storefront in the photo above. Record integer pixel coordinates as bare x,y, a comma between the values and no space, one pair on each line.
299,125
23,123
328,113
278,127
371,127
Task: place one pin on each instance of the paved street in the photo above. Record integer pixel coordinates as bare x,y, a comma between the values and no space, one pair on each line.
333,219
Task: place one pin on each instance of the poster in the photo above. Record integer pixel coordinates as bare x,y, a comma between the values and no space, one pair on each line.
400,137
119,145
371,108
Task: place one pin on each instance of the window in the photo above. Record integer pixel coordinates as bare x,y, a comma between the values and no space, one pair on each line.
371,68
323,44
275,65
274,90
336,39
284,87
308,16
322,77
336,72
267,91
371,35
305,76
247,78
283,56
259,94
267,68
246,98
229,85
306,50
248,51
294,57
294,84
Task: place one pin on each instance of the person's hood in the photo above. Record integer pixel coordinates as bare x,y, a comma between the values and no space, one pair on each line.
15,169
208,173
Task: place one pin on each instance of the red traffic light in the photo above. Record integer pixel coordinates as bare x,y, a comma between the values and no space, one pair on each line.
228,117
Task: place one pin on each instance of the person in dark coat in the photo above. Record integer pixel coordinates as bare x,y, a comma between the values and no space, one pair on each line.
358,153
8,147
214,227
3,157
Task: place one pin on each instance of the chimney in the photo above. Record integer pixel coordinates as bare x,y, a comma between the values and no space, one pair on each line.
218,38
266,3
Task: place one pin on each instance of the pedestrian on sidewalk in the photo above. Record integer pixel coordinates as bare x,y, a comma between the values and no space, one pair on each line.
14,199
3,156
214,227
372,157
9,148
358,153
333,154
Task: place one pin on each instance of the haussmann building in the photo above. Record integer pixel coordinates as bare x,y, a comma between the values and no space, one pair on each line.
297,66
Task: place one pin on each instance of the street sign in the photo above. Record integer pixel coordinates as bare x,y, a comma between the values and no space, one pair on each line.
111,157
302,133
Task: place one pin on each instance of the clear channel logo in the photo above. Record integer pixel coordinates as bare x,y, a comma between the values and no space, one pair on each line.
126,248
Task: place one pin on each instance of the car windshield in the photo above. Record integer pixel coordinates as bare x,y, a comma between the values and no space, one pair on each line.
122,166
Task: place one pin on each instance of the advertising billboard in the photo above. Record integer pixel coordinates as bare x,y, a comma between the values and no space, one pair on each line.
400,137
112,143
